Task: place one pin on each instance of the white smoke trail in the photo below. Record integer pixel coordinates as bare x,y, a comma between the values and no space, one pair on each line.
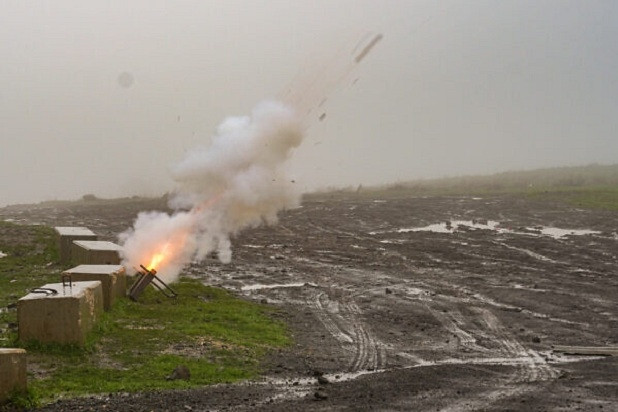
238,182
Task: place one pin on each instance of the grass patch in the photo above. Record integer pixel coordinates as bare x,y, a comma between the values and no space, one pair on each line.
219,337
592,186
19,400
137,344
30,259
588,197
595,197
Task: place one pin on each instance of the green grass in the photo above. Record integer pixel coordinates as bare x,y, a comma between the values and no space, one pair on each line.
31,253
587,197
137,344
594,197
219,337
592,186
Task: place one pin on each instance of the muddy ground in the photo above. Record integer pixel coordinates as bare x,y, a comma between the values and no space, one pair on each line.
396,317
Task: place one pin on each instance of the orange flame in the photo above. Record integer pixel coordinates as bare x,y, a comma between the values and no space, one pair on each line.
178,239
157,258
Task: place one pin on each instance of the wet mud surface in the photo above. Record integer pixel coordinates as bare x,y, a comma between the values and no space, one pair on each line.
393,308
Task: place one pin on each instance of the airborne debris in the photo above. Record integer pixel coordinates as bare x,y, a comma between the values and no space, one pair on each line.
368,48
125,80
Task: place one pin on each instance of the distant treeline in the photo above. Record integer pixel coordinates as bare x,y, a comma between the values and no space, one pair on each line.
530,180
580,176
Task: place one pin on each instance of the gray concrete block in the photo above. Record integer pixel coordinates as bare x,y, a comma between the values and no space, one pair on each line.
112,278
65,317
12,372
66,235
95,252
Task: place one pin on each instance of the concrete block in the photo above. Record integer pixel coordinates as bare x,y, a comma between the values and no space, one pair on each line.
64,317
12,372
112,278
66,236
95,252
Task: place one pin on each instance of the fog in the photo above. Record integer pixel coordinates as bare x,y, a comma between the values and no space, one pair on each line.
106,97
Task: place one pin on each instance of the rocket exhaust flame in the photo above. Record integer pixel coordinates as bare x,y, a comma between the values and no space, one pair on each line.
156,260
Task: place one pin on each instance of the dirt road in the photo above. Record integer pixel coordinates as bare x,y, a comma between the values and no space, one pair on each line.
410,303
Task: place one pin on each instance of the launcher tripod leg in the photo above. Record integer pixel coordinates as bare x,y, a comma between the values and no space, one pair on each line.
173,294
145,277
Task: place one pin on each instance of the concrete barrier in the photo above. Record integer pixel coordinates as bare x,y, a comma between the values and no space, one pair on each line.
95,252
64,317
65,237
112,278
12,372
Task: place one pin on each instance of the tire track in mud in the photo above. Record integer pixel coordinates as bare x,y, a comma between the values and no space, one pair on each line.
453,323
339,232
329,320
532,254
528,367
469,316
475,297
531,366
471,326
535,368
342,321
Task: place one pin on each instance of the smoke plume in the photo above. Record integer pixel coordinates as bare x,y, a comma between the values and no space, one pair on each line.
239,181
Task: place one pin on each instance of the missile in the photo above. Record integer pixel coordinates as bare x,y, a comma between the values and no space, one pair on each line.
368,48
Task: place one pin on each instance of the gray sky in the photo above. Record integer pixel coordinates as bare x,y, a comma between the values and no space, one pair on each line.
454,87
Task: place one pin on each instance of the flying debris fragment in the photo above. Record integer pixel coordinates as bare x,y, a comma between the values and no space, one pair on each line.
368,48
125,80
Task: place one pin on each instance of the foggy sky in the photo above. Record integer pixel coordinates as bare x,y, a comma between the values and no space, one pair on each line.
104,97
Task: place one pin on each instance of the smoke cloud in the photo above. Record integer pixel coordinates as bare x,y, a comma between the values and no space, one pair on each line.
239,181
